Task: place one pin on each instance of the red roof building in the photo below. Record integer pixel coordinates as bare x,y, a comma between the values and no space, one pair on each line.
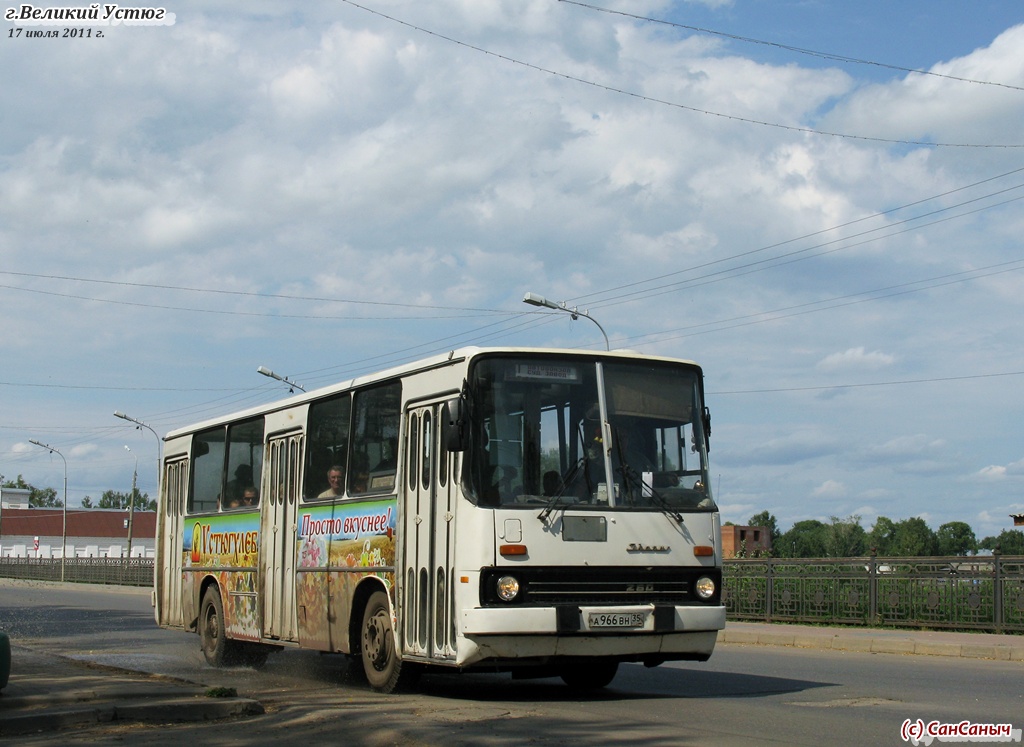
91,533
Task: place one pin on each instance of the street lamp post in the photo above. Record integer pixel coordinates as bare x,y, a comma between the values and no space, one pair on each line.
534,300
139,425
292,386
64,530
131,502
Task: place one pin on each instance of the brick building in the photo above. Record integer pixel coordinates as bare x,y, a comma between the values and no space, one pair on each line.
91,533
745,542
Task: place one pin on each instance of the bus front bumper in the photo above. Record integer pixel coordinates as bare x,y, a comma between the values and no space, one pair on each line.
629,633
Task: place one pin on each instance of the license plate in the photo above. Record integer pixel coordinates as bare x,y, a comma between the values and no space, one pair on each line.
616,619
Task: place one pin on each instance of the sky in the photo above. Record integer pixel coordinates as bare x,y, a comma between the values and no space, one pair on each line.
819,202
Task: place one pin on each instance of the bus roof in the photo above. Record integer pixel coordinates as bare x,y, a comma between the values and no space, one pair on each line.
453,356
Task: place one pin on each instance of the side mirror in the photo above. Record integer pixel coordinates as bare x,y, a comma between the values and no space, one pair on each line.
453,425
707,429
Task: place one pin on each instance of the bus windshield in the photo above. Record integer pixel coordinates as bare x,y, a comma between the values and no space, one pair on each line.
549,431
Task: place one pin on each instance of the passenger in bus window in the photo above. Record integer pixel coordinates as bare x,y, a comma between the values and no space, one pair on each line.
250,497
336,479
243,478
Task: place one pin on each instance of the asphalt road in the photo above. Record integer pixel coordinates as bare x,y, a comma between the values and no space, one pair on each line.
744,695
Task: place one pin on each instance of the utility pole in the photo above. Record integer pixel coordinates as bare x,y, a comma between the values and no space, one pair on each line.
131,502
64,510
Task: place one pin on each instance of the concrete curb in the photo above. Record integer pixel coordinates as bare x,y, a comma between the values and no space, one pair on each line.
962,645
171,710
48,692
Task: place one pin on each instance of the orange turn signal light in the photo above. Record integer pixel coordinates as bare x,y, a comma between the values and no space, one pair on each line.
507,550
703,551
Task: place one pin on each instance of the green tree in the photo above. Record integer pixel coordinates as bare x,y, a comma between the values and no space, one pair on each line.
115,499
805,539
38,497
882,536
913,538
1009,542
844,538
765,519
956,538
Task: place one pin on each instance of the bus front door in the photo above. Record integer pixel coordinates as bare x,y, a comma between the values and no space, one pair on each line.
278,532
426,604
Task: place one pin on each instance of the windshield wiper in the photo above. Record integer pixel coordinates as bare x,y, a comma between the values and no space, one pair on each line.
633,480
564,482
630,475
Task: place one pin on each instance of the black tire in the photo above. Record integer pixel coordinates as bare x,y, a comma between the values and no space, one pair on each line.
218,650
381,664
254,655
591,675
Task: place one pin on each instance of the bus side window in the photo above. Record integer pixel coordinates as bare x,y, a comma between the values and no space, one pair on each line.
327,447
376,414
244,463
207,481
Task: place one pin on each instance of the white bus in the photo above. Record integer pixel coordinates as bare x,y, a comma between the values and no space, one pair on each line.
542,512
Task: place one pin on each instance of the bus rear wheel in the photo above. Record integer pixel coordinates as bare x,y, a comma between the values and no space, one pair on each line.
591,675
381,664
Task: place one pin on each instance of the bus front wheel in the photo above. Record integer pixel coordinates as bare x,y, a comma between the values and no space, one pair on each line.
381,664
218,650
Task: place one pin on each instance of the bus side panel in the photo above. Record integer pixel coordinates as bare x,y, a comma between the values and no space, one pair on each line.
225,546
339,545
311,604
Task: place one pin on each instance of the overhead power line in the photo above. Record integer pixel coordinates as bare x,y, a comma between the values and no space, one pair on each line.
869,384
674,104
823,55
602,295
248,294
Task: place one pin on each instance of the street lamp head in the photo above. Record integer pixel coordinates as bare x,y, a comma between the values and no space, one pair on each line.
49,448
292,386
535,300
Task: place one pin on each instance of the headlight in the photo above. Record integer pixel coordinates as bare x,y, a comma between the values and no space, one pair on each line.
507,588
705,588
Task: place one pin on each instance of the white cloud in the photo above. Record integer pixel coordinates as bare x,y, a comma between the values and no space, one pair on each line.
1001,472
328,152
992,472
830,489
856,359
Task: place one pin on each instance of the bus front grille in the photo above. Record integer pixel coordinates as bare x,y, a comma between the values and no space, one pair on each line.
598,586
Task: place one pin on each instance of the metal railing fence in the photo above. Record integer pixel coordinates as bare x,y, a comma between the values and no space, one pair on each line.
969,593
114,571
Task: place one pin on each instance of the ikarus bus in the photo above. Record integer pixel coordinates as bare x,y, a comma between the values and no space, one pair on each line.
542,512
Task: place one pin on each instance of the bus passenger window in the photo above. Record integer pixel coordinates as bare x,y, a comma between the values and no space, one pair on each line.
244,462
375,418
327,452
207,481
